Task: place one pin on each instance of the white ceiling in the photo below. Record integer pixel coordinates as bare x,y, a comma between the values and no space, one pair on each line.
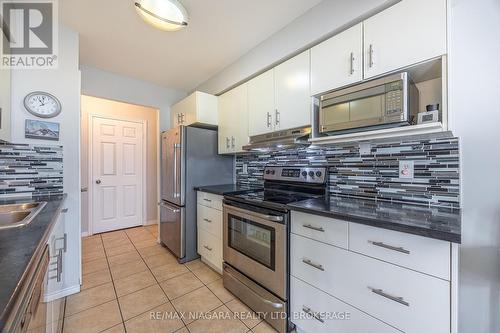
114,38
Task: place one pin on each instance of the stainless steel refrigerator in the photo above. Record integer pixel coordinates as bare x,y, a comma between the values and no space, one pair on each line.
189,159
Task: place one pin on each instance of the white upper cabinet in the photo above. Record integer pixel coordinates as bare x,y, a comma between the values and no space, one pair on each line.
292,90
337,61
409,32
199,107
261,109
233,120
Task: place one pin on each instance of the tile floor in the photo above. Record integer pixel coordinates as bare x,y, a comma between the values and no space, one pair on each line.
132,284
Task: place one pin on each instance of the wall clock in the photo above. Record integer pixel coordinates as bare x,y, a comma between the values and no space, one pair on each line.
42,104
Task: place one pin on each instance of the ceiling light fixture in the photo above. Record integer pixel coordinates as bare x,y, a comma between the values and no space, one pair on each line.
168,15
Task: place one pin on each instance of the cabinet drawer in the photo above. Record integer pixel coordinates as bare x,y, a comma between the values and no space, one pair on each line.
210,200
210,219
422,254
317,312
398,296
323,229
210,248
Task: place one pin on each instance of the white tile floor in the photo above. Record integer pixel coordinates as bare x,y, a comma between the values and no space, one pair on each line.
132,284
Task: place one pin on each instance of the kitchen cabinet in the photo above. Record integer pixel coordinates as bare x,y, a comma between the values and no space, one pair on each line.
199,107
261,111
209,220
337,61
406,33
5,88
383,273
292,92
233,120
58,248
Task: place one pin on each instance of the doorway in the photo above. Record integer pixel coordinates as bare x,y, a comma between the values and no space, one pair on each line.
119,165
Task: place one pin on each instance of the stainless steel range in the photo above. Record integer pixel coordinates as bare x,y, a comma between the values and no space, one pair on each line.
256,239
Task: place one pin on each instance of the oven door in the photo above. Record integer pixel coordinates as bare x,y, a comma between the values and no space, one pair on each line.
255,243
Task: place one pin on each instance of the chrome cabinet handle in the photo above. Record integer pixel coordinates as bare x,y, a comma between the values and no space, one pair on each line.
207,247
397,299
65,242
315,315
390,247
178,119
313,227
310,263
268,120
352,63
207,200
276,117
207,220
227,142
371,54
233,142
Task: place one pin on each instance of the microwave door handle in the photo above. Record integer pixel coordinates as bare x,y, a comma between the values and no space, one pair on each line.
274,218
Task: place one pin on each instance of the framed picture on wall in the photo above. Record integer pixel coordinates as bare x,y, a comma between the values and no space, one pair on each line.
44,130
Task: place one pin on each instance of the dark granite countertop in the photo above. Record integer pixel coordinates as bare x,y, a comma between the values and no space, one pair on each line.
433,222
20,247
225,189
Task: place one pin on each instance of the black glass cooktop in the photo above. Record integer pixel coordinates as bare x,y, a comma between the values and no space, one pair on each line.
272,197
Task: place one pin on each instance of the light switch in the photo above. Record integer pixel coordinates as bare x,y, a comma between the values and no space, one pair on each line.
406,169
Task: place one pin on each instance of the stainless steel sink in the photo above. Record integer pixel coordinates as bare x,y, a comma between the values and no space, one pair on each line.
18,215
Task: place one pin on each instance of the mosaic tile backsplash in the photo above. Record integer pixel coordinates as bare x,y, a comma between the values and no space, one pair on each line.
375,173
27,170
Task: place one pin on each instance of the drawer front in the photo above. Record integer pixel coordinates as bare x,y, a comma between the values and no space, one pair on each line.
210,219
210,248
422,254
395,295
314,311
323,229
210,200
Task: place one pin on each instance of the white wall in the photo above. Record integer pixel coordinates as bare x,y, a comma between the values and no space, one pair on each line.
99,83
64,83
474,104
326,19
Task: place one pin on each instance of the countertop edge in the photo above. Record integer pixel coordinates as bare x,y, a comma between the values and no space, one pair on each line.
211,189
35,258
434,234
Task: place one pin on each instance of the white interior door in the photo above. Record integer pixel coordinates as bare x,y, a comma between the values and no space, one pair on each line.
117,174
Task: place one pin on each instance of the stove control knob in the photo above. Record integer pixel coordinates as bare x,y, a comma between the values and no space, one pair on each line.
319,173
311,174
304,174
272,172
268,172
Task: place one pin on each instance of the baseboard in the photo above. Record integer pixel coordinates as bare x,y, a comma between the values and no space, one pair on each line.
150,222
61,293
85,234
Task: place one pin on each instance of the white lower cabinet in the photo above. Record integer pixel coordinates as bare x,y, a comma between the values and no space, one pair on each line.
313,310
209,219
403,298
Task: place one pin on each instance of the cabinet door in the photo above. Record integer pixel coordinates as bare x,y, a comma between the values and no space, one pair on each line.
261,104
184,112
292,88
233,120
337,61
409,32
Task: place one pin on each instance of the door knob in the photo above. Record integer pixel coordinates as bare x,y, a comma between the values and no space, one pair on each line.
98,181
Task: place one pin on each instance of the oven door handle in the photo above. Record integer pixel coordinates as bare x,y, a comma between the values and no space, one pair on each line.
274,218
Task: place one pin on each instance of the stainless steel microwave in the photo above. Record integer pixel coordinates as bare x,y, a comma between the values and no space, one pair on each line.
386,102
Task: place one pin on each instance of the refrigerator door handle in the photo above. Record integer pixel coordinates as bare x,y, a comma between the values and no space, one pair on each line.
176,193
173,210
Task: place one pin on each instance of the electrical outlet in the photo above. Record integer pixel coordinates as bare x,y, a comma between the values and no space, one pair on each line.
365,148
406,169
245,168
